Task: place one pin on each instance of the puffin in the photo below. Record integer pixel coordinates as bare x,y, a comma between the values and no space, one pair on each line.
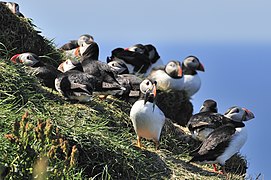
119,66
99,69
203,123
46,73
151,52
92,52
76,48
147,118
137,63
124,76
14,7
192,81
225,141
73,44
123,73
76,85
168,77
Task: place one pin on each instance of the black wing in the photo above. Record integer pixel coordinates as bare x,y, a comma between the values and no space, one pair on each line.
214,145
70,45
92,51
207,120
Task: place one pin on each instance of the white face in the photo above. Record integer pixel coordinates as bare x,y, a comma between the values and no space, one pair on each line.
239,114
83,40
145,86
68,65
173,69
136,49
116,66
191,63
28,59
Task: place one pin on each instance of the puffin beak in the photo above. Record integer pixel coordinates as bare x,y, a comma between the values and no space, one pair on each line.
249,115
154,88
154,95
180,71
201,67
146,96
14,58
126,49
60,67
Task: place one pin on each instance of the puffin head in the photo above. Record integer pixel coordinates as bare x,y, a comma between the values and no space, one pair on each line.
209,105
173,69
28,59
193,63
239,114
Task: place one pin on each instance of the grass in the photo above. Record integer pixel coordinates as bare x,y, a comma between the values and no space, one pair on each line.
100,130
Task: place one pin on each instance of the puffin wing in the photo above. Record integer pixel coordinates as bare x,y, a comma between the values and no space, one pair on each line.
206,119
214,145
141,62
70,45
92,51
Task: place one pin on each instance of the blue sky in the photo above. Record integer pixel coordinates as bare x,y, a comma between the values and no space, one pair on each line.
231,38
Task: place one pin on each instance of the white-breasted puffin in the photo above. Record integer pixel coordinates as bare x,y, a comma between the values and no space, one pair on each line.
46,73
147,118
168,77
192,81
76,85
224,141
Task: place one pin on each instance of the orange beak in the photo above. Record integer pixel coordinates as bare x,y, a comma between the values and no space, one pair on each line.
201,67
14,58
249,114
60,67
154,89
180,71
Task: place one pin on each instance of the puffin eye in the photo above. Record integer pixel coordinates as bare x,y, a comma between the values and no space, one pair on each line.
27,57
148,83
236,110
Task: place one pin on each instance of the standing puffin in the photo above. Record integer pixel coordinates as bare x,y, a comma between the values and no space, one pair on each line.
192,82
148,120
45,72
168,77
224,141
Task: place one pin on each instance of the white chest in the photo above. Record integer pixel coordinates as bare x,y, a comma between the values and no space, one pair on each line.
192,84
147,122
165,82
237,142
